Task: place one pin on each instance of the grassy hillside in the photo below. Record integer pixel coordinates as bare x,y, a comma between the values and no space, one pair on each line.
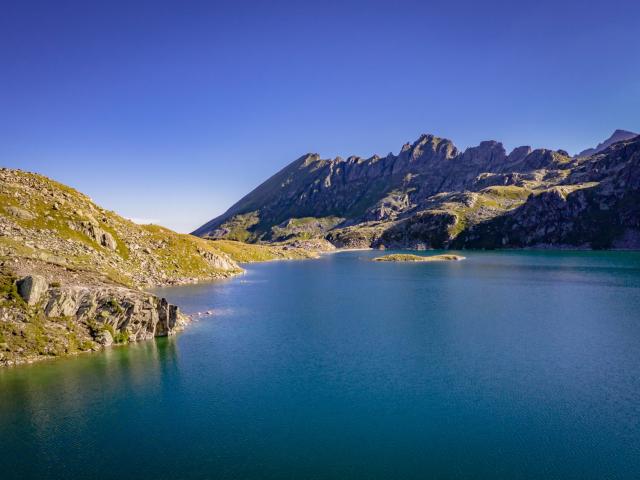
248,253
45,220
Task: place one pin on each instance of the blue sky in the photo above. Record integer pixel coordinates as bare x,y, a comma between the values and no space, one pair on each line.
171,111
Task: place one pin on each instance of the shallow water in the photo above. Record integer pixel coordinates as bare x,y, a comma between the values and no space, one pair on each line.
505,365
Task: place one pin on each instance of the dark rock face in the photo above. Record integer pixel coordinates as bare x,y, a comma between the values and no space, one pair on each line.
604,213
431,195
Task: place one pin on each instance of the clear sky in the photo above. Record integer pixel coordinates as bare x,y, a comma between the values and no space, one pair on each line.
172,110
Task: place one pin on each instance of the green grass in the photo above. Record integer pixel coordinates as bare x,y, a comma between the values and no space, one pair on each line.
239,226
9,291
121,337
43,337
508,192
303,228
496,198
250,252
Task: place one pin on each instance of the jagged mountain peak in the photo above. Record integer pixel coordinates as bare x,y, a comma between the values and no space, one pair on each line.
519,153
617,136
619,132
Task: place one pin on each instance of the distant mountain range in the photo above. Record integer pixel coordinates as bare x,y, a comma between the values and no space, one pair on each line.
431,195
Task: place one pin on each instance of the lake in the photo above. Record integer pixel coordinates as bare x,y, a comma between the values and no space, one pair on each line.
504,365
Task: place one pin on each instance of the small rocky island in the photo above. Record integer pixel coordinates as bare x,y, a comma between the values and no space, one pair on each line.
407,257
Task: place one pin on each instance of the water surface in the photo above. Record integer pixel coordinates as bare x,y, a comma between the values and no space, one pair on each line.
505,365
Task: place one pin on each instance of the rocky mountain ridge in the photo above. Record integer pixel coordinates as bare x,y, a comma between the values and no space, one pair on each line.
431,195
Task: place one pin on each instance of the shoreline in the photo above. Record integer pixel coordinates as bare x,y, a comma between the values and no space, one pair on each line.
210,313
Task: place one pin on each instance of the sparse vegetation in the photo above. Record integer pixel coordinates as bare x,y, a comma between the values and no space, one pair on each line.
121,337
248,252
303,228
9,291
115,306
240,227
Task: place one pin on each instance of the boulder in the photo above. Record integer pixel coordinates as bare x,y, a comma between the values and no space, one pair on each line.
32,288
91,229
107,240
19,213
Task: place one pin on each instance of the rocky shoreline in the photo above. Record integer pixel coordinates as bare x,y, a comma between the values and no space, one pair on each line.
56,312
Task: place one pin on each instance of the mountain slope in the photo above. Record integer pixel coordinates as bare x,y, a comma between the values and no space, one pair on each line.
45,220
430,195
601,213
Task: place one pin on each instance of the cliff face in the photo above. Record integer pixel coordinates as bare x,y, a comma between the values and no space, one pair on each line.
596,206
72,273
56,312
430,195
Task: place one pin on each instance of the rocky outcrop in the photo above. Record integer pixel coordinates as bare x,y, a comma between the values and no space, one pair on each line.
603,213
138,315
92,229
63,314
20,213
431,195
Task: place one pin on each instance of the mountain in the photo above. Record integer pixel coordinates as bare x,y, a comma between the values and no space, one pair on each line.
432,195
617,136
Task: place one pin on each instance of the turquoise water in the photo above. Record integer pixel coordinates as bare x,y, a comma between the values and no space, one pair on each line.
505,365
